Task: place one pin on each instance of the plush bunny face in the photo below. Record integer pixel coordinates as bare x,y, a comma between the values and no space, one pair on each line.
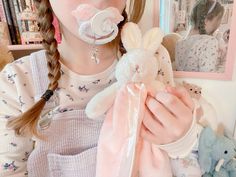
194,90
139,66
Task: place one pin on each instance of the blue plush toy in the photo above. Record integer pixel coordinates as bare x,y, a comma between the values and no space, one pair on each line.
217,154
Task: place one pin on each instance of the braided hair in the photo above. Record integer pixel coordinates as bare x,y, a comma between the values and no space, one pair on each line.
205,9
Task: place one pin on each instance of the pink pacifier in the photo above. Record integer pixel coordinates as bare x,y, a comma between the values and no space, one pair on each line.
97,26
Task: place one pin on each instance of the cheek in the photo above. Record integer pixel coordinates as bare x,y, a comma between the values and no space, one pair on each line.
63,13
217,23
211,27
120,5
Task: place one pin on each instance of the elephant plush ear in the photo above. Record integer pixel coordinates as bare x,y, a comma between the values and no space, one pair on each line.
206,141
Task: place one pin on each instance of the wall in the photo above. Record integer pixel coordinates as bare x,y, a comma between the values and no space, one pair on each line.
147,21
222,95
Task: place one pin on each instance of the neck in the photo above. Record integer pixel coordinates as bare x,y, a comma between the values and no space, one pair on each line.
76,55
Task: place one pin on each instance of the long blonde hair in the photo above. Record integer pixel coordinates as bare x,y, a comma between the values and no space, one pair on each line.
26,123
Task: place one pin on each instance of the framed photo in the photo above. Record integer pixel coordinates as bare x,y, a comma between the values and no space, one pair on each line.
174,17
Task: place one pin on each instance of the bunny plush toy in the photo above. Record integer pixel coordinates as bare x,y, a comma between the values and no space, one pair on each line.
138,65
120,147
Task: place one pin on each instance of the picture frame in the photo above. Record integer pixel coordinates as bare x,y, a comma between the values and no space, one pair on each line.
159,17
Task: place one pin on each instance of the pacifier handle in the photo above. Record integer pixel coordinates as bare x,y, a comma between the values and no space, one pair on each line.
98,22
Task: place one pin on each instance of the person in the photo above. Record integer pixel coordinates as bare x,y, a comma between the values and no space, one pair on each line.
43,127
198,52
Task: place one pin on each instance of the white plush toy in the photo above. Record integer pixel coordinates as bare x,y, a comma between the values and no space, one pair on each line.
138,65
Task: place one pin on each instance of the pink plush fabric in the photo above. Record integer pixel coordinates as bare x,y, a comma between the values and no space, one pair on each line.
121,151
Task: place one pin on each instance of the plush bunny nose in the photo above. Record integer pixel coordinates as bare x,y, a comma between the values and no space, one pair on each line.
137,69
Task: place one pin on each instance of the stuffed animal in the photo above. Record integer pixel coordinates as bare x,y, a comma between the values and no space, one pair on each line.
138,65
205,113
5,56
216,154
120,147
194,90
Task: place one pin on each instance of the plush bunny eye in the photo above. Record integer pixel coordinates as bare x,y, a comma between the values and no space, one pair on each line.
226,152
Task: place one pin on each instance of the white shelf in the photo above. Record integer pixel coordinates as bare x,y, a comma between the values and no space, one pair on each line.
25,47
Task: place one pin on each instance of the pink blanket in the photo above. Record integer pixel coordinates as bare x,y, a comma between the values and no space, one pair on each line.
121,151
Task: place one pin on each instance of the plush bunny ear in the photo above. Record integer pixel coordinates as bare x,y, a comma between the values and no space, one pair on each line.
131,36
152,39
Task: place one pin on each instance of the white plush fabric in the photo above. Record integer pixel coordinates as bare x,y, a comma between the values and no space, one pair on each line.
138,65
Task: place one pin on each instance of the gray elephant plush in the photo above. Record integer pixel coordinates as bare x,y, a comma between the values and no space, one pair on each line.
231,168
217,154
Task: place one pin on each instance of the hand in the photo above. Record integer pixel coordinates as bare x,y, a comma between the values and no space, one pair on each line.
168,116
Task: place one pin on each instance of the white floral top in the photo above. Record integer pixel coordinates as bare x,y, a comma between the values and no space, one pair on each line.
17,95
197,53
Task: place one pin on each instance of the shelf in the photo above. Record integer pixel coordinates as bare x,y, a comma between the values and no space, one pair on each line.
25,47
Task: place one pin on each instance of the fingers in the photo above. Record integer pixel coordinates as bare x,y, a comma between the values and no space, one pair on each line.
168,117
182,94
147,135
152,124
163,137
173,104
160,112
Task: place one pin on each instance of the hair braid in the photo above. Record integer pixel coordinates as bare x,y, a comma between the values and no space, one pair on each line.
203,16
45,19
201,12
27,122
